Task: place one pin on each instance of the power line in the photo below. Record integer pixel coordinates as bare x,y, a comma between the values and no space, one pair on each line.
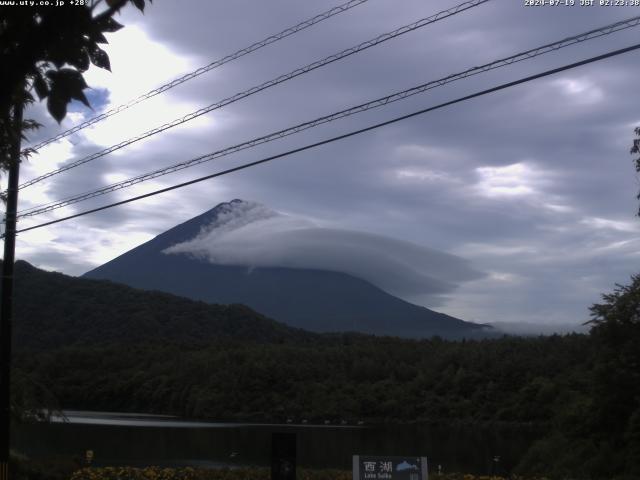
207,68
282,78
532,53
343,136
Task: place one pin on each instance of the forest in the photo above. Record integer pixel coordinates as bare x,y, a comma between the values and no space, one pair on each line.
118,349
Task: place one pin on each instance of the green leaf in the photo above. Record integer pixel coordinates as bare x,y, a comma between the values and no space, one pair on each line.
99,58
98,37
108,25
139,4
72,78
79,95
66,84
57,61
41,87
57,107
81,62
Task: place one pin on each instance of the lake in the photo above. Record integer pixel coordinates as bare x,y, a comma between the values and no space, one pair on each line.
140,440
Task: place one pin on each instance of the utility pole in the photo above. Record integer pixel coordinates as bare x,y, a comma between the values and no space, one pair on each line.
6,299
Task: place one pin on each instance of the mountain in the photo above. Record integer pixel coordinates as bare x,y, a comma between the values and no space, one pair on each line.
53,310
535,329
313,299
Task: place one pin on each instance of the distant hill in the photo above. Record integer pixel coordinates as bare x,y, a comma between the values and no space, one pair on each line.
535,329
315,300
54,310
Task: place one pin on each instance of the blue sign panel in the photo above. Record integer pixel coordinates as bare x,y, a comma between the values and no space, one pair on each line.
389,468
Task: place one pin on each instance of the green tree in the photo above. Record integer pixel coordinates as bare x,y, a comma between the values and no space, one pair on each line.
44,51
635,149
616,396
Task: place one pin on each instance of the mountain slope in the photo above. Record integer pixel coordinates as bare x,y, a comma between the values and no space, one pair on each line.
54,310
315,300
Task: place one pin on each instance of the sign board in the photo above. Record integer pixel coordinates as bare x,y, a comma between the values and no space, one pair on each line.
389,468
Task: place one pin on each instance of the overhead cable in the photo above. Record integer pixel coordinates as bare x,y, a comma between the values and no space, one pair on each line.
207,68
280,79
532,53
340,137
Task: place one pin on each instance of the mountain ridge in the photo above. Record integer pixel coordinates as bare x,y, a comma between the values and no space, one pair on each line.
311,299
52,310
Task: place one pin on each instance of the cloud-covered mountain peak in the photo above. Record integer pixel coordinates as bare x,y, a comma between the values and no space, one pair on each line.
248,234
299,271
234,215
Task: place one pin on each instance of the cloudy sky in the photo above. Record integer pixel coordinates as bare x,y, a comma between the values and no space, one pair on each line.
533,186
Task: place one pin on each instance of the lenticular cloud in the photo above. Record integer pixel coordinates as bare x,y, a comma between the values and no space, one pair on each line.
252,235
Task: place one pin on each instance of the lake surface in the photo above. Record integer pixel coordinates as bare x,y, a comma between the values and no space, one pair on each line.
140,440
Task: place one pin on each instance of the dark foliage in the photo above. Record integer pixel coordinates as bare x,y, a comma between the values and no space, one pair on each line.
600,436
635,149
616,400
514,381
54,310
46,49
101,346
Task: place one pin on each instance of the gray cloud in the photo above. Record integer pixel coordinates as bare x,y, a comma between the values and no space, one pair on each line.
252,235
534,185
